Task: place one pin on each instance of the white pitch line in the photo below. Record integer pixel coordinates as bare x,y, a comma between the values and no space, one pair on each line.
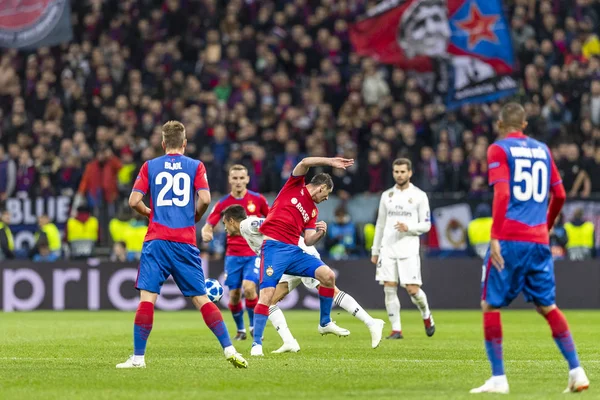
315,358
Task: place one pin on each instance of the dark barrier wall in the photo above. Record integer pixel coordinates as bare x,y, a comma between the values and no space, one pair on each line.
450,284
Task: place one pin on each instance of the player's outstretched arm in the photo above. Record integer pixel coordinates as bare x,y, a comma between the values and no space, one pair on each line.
303,166
135,202
202,203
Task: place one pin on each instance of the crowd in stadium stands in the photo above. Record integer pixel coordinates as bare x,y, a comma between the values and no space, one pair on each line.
264,83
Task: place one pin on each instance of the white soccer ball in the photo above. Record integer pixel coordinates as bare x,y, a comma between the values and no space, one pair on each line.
214,290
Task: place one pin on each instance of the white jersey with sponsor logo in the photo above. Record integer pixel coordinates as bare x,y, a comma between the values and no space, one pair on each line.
409,206
249,228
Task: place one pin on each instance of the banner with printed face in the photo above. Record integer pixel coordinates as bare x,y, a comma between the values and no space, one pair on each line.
34,23
461,49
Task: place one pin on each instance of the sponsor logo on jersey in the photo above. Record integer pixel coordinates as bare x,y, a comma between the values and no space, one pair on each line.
269,271
173,166
399,213
299,207
251,207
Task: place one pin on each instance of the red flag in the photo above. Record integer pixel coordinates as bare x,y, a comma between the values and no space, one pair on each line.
377,37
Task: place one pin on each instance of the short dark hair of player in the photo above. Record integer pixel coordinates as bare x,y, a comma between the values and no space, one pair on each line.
403,161
513,115
173,134
237,167
322,179
234,212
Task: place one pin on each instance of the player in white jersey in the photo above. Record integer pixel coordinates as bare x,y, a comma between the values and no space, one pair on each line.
238,223
403,216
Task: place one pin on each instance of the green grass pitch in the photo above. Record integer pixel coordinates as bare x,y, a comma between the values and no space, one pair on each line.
72,355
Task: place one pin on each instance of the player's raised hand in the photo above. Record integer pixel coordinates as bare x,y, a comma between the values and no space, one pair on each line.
495,254
321,226
343,163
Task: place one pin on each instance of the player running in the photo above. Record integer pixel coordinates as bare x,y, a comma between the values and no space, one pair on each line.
403,216
238,223
241,263
523,174
173,181
294,211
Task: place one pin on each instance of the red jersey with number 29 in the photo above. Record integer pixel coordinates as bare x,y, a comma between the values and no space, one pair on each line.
527,166
293,212
172,182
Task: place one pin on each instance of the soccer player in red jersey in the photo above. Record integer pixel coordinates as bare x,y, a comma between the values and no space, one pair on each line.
294,213
241,263
179,196
524,176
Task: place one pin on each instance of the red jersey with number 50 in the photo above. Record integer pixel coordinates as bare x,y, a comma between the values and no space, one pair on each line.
254,204
172,182
527,166
293,212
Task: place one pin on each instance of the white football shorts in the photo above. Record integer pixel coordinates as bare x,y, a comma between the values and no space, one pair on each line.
405,271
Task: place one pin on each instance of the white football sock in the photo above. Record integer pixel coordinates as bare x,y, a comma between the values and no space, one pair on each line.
348,303
392,306
280,324
420,300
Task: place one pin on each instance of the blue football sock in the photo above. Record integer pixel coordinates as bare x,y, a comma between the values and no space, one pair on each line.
492,328
261,315
237,311
562,337
214,320
326,302
250,305
142,326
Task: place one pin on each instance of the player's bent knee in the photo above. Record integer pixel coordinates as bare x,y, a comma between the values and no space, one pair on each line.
390,284
235,296
249,289
326,276
281,290
266,295
200,301
485,307
412,290
544,310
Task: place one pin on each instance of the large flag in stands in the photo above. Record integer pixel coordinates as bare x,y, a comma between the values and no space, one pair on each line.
460,49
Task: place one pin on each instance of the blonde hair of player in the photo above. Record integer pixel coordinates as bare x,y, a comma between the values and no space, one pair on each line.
173,137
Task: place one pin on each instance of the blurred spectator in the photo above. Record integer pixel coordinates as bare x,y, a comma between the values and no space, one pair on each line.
47,241
7,244
8,175
119,252
134,236
99,180
479,230
341,236
558,238
580,237
82,233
